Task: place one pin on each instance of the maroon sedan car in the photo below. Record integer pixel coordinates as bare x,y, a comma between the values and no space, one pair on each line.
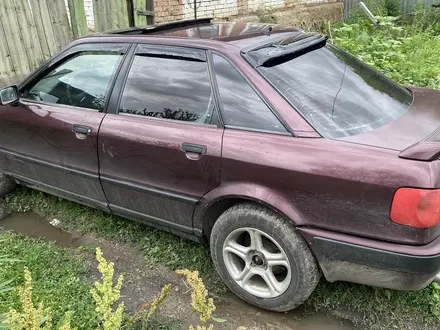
289,156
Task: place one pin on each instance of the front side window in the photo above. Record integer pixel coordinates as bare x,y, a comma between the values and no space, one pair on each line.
169,86
242,107
81,81
338,95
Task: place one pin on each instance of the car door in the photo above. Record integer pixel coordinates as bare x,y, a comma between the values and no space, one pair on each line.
50,139
160,151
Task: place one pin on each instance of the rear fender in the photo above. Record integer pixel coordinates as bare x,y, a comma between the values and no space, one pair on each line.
246,192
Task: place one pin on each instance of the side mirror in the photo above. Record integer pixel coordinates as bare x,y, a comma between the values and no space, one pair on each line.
9,95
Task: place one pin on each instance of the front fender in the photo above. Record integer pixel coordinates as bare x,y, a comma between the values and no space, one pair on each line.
247,192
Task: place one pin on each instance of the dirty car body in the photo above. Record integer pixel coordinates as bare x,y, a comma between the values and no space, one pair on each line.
283,120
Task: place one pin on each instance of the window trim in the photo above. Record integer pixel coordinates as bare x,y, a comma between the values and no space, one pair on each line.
121,79
257,130
215,89
257,92
191,123
118,91
163,51
64,57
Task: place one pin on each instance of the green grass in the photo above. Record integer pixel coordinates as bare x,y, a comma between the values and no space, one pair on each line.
59,279
376,308
373,307
158,246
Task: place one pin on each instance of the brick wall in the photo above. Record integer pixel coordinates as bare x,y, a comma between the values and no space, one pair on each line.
168,10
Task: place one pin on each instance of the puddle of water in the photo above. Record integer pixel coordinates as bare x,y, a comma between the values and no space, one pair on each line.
322,322
32,225
238,311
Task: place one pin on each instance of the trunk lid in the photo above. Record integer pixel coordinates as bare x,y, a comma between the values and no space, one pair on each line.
415,133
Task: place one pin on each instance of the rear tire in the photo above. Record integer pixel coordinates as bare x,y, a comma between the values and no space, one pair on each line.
7,184
262,259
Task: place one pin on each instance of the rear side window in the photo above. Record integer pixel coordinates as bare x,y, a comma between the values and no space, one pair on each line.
167,85
339,95
242,107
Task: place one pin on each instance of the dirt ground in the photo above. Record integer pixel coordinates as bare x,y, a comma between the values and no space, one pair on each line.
143,282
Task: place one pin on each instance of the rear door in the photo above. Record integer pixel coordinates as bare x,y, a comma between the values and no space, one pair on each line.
160,150
50,140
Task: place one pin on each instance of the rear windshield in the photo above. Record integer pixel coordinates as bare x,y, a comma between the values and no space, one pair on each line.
338,94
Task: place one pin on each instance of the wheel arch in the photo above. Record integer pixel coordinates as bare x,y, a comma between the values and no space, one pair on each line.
213,204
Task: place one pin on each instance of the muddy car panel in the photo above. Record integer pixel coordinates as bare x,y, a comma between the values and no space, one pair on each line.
39,147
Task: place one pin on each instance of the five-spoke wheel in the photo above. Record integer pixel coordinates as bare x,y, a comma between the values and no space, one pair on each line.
257,262
262,259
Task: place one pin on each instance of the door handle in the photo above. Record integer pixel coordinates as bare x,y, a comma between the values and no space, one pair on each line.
194,148
81,129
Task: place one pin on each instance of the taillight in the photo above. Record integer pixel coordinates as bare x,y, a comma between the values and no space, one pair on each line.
419,208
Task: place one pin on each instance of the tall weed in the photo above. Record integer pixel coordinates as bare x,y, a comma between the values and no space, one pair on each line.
403,53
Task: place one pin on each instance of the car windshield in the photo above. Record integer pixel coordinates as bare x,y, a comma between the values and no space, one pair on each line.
338,94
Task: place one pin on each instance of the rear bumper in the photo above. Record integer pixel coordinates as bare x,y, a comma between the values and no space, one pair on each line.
364,261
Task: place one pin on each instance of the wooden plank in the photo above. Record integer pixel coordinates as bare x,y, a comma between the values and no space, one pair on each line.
130,10
96,15
14,39
99,13
65,35
6,66
60,22
150,7
139,19
119,14
110,14
78,18
44,28
108,23
29,34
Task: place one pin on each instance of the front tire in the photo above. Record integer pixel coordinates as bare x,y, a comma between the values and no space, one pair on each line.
262,259
6,184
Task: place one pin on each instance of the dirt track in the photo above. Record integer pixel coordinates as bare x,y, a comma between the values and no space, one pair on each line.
143,282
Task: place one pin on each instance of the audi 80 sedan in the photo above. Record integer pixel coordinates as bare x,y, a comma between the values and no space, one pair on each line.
291,158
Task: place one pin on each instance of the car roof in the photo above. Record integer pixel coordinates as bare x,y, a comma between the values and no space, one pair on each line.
239,34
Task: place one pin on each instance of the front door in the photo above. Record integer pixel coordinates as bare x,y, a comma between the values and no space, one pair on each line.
161,152
50,140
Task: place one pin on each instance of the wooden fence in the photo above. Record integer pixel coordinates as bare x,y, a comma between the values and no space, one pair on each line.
31,31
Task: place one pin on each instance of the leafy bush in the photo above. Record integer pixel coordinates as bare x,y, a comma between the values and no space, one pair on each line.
427,21
29,317
147,310
58,280
402,53
379,8
105,295
200,303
